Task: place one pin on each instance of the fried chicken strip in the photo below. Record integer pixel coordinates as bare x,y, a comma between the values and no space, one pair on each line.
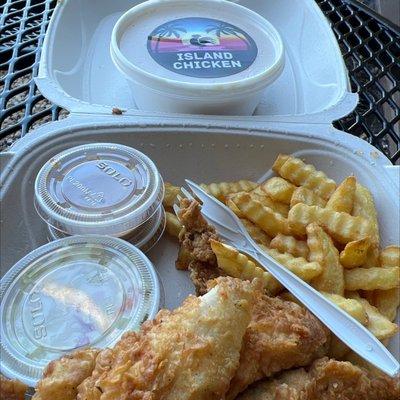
189,353
280,336
62,377
326,379
195,253
11,389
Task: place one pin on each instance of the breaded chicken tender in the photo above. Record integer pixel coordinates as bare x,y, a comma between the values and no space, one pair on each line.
326,379
280,336
195,253
11,389
189,353
62,377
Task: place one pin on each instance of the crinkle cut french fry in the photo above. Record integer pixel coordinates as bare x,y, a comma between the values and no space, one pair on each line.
232,262
387,302
377,324
306,196
229,202
341,226
323,251
170,193
364,206
372,258
258,190
352,306
280,160
268,220
301,174
289,244
390,257
257,234
278,189
299,266
280,208
235,264
372,278
173,226
259,195
222,189
342,199
355,253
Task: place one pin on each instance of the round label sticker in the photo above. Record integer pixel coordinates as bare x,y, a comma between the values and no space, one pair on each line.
202,47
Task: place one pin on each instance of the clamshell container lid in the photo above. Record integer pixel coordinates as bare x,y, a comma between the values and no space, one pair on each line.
71,293
99,188
76,70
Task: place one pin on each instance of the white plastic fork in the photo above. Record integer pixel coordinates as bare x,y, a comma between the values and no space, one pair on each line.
346,328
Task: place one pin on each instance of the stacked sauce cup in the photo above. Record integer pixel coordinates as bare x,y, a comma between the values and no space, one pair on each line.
102,188
88,286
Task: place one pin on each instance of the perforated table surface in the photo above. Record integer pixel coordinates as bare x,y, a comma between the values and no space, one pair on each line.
370,46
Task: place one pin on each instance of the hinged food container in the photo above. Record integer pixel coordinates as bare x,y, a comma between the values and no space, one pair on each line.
295,116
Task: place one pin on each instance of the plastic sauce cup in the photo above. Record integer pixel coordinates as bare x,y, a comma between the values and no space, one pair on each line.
102,188
74,292
179,60
144,237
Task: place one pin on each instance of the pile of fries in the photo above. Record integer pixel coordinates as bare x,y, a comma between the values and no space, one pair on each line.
327,234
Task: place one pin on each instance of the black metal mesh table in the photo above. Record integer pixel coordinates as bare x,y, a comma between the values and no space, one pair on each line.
369,43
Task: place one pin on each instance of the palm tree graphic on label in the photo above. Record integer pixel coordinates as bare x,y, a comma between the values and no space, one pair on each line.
167,31
223,28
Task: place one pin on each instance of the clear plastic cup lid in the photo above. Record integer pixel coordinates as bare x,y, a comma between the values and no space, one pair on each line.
99,188
74,292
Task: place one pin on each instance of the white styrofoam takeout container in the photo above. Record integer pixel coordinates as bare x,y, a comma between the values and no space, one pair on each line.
159,81
205,154
295,116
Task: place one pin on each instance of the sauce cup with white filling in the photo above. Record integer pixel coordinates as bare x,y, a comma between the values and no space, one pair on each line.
178,59
102,188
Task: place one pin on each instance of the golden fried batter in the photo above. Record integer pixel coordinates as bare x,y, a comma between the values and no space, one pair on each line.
190,353
281,335
326,380
11,389
195,252
62,377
